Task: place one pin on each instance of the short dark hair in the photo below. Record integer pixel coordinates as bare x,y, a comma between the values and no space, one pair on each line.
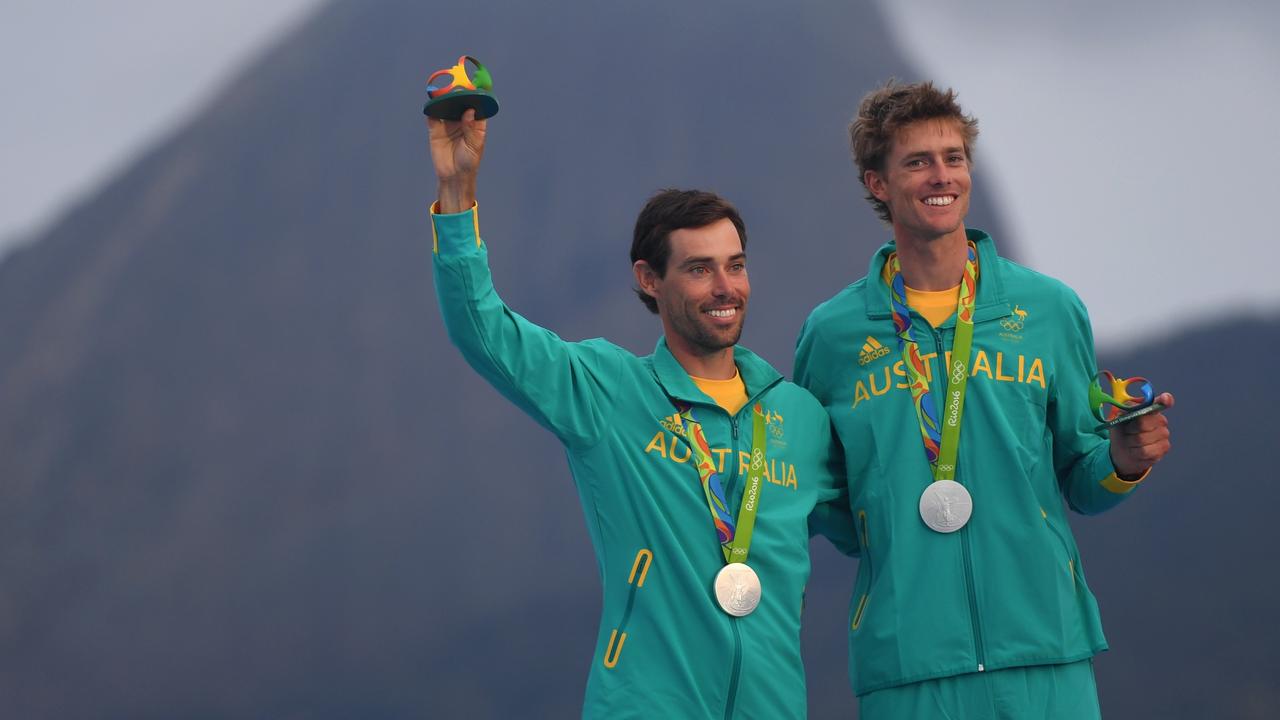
671,209
885,111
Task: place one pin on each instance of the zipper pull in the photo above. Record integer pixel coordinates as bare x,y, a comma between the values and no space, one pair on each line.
734,424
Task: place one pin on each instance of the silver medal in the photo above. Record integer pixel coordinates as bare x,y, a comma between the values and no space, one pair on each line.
737,589
945,506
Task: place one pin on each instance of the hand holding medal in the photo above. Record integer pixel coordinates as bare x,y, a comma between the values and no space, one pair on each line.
1130,408
1115,400
457,113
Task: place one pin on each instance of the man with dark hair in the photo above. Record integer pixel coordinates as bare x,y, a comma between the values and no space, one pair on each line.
970,600
685,460
675,210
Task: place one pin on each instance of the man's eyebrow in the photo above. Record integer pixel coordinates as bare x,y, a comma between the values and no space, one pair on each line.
708,260
927,153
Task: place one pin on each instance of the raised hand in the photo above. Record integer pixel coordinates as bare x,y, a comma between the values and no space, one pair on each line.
1140,443
456,149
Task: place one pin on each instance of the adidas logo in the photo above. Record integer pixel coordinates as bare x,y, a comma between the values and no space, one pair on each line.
871,350
673,424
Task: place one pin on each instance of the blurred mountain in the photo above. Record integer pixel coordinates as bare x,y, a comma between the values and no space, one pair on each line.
243,474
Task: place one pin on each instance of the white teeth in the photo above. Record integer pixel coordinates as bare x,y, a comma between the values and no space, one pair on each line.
726,313
939,200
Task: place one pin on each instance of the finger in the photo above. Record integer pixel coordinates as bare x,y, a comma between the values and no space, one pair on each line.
1146,423
1165,399
1136,443
1130,443
440,128
1150,437
1150,454
468,115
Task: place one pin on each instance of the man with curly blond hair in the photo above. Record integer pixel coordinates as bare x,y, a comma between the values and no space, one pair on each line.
970,600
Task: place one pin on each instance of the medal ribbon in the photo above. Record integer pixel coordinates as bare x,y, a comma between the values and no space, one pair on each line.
941,440
735,538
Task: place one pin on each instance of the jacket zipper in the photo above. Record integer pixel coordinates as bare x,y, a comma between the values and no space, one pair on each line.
973,598
735,672
965,548
737,669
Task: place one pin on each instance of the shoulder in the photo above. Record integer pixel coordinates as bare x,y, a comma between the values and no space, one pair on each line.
848,304
603,352
1053,317
796,399
1049,292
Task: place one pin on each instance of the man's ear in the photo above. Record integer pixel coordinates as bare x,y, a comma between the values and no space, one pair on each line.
875,185
646,278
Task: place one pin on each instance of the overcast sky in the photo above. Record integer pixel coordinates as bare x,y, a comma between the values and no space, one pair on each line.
1131,147
87,84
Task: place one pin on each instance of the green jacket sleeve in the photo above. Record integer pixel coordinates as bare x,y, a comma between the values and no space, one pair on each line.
557,383
832,517
1081,456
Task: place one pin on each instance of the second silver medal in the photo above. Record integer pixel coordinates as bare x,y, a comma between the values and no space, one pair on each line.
737,589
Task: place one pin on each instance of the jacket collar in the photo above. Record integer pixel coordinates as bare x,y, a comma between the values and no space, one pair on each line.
757,374
990,303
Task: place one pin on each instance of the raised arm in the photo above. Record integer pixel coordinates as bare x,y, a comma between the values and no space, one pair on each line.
561,385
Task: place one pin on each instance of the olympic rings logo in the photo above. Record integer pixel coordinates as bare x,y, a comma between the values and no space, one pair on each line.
957,372
757,458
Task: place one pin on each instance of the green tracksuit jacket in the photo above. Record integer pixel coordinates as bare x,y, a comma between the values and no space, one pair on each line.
664,648
1007,590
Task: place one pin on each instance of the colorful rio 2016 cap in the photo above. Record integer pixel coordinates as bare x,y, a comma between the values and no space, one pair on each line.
1115,399
449,101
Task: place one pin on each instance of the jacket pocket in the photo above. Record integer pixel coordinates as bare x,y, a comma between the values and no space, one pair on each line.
859,611
864,537
618,637
1070,563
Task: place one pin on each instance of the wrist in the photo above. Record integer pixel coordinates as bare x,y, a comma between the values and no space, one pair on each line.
456,195
1129,472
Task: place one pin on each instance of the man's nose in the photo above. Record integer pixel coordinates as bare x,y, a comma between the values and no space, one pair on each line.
941,173
721,285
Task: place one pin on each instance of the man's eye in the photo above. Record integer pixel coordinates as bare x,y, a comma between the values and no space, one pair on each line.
918,162
956,159
738,267
698,270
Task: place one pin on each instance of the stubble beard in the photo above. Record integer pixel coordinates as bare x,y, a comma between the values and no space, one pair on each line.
706,340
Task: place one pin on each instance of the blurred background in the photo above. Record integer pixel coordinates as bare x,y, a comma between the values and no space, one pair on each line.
243,473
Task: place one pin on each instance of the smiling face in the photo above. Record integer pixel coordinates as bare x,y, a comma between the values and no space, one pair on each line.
702,297
925,181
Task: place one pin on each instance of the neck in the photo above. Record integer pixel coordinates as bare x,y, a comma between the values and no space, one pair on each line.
935,263
713,365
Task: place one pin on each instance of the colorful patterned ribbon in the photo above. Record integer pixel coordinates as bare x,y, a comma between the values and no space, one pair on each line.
735,537
941,440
